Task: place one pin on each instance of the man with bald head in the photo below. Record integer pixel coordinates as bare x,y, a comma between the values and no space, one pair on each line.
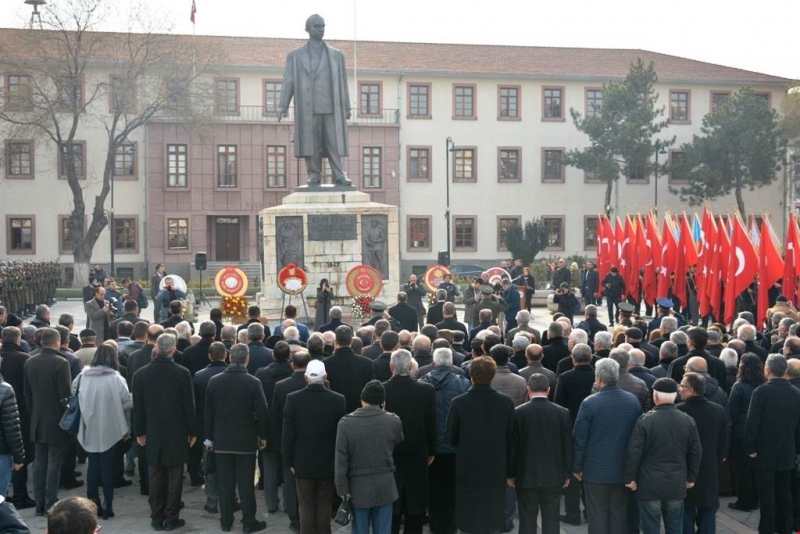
793,372
712,392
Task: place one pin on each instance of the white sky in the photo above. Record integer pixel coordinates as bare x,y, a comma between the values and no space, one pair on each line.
759,36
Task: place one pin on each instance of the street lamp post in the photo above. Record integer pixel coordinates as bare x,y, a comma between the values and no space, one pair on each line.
449,147
659,150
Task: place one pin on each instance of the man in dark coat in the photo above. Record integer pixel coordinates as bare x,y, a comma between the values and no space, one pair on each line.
434,314
308,442
480,420
131,309
165,421
216,355
561,273
254,316
413,402
347,372
772,439
449,320
12,363
484,322
697,342
374,349
335,322
702,501
571,388
260,355
613,289
590,282
663,460
404,314
196,356
237,424
556,348
415,292
541,466
46,384
270,375
381,367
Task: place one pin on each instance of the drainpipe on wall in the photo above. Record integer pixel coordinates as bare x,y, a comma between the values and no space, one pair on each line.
145,225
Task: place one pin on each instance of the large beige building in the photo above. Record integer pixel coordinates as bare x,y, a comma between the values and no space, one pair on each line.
506,110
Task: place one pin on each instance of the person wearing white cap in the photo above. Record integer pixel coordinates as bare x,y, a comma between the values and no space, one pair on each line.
308,442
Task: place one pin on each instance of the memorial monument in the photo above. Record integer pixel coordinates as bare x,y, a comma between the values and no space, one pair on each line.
325,229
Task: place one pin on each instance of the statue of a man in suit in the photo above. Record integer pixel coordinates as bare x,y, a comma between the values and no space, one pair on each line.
315,75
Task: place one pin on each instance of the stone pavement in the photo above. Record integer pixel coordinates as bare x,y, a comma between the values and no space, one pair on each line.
133,513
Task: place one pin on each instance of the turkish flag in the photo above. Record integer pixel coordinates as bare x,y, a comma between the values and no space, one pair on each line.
791,264
770,270
742,268
719,267
705,265
194,11
653,243
669,252
628,260
644,254
619,235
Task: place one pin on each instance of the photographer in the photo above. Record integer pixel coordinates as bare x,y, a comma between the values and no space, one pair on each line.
415,292
566,300
324,302
114,297
99,314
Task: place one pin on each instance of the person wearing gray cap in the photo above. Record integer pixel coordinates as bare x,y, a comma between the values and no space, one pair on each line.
662,461
613,290
364,468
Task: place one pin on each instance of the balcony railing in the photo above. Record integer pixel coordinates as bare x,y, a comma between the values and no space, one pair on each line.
261,114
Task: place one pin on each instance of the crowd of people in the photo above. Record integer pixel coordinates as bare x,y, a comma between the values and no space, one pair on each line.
413,417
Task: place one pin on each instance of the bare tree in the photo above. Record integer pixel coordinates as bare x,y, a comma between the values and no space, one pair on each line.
70,77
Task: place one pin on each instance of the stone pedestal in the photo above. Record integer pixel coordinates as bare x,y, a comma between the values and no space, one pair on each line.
323,232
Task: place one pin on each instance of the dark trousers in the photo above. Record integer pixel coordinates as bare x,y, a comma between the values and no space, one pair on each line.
271,465
70,462
442,481
796,499
144,472
744,475
606,507
290,495
166,487
699,520
236,471
530,500
47,474
572,499
315,505
100,472
119,459
611,303
19,479
195,459
775,494
156,310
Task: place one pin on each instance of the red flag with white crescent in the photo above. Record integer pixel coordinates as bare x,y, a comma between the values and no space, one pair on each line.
194,10
742,268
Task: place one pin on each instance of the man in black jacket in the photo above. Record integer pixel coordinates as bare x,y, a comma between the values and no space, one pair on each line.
589,283
46,384
697,343
435,314
131,309
415,292
404,314
556,347
336,320
12,362
164,422
196,356
541,466
613,289
449,320
413,402
310,420
260,355
772,439
374,349
702,501
662,461
347,372
237,424
381,367
217,354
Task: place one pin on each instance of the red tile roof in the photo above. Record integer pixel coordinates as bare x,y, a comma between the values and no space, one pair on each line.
440,59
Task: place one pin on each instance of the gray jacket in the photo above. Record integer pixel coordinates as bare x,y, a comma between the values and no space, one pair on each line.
106,406
512,385
365,442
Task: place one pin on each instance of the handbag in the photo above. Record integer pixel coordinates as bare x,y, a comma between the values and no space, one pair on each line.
345,513
71,420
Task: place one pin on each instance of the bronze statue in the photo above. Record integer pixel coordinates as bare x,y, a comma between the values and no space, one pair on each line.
315,75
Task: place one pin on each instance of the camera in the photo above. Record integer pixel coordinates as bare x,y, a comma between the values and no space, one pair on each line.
112,305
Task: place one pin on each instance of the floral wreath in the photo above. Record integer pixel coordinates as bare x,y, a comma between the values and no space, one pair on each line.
362,306
234,307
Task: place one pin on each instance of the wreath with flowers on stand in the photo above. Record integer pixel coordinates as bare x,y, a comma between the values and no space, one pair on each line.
362,306
234,309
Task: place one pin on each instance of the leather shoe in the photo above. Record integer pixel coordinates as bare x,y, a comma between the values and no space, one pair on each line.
129,472
122,483
236,506
198,481
737,506
225,528
210,509
294,526
570,520
72,484
174,524
24,502
40,512
157,524
255,526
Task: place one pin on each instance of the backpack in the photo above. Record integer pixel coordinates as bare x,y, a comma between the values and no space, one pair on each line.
141,300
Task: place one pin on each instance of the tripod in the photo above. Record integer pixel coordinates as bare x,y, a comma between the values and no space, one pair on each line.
202,298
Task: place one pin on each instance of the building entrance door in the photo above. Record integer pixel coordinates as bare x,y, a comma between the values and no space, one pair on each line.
227,239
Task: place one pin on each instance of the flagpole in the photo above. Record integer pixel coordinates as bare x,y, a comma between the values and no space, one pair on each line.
194,47
355,57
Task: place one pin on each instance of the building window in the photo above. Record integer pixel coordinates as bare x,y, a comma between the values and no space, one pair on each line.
125,234
125,160
370,98
70,92
592,177
552,165
177,234
176,166
636,171
464,101
766,96
465,236
554,226
18,92
419,159
419,101
226,95
590,232
177,94
679,102
272,97
123,95
79,153
276,166
19,159
508,165
718,97
226,166
464,165
553,103
21,235
419,234
66,236
594,102
503,224
508,102
371,166
676,158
